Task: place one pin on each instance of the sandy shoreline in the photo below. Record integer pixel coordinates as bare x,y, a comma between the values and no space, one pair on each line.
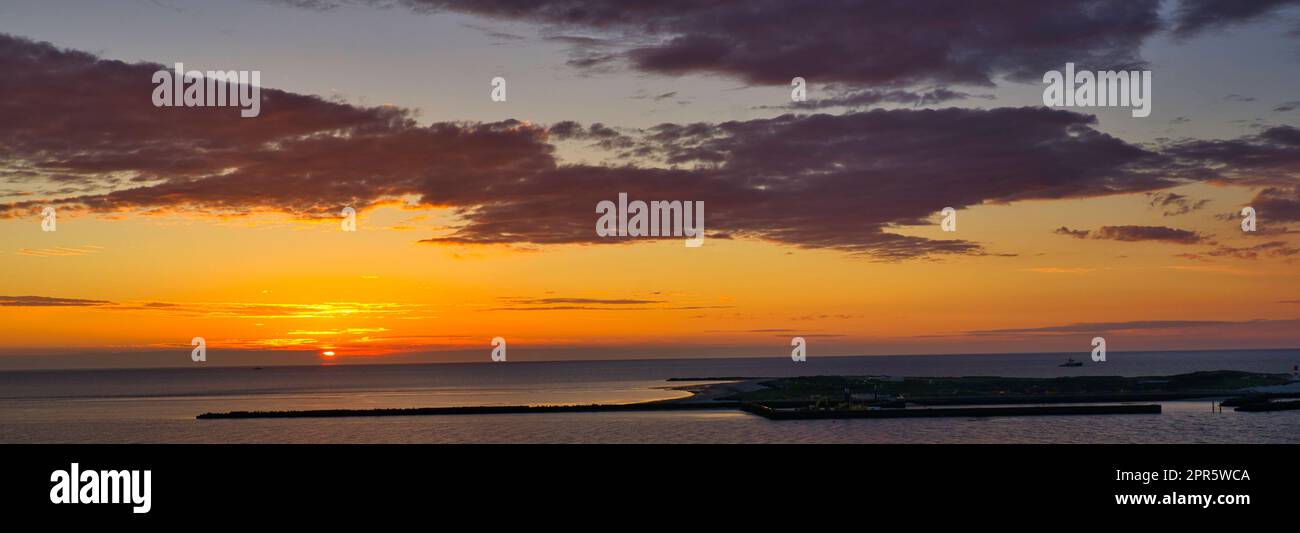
712,391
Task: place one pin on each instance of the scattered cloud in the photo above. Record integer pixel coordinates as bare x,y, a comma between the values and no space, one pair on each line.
1195,16
1135,325
1173,204
1136,233
1276,204
59,251
884,44
49,301
1076,233
861,174
859,98
1058,270
1148,233
1268,249
1269,158
601,301
598,304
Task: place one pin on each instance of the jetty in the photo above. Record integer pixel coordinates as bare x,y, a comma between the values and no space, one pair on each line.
776,410
475,410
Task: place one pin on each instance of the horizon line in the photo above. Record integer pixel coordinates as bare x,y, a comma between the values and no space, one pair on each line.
340,362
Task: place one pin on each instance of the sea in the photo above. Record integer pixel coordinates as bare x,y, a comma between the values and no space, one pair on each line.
160,405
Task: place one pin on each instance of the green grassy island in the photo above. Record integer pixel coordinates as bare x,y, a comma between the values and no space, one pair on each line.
1002,390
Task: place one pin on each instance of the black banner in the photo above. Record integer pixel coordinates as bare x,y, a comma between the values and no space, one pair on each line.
321,483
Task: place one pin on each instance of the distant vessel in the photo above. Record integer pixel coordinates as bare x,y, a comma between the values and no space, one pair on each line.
1069,361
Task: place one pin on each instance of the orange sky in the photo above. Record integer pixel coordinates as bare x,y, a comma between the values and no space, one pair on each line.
476,217
269,283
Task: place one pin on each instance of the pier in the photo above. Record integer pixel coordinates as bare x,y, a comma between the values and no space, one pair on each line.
772,410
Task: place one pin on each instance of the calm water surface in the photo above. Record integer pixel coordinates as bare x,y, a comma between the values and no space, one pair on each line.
159,405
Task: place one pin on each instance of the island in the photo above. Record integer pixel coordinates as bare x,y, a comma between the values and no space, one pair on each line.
829,397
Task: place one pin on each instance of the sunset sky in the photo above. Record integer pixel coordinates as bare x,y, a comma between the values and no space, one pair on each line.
477,218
